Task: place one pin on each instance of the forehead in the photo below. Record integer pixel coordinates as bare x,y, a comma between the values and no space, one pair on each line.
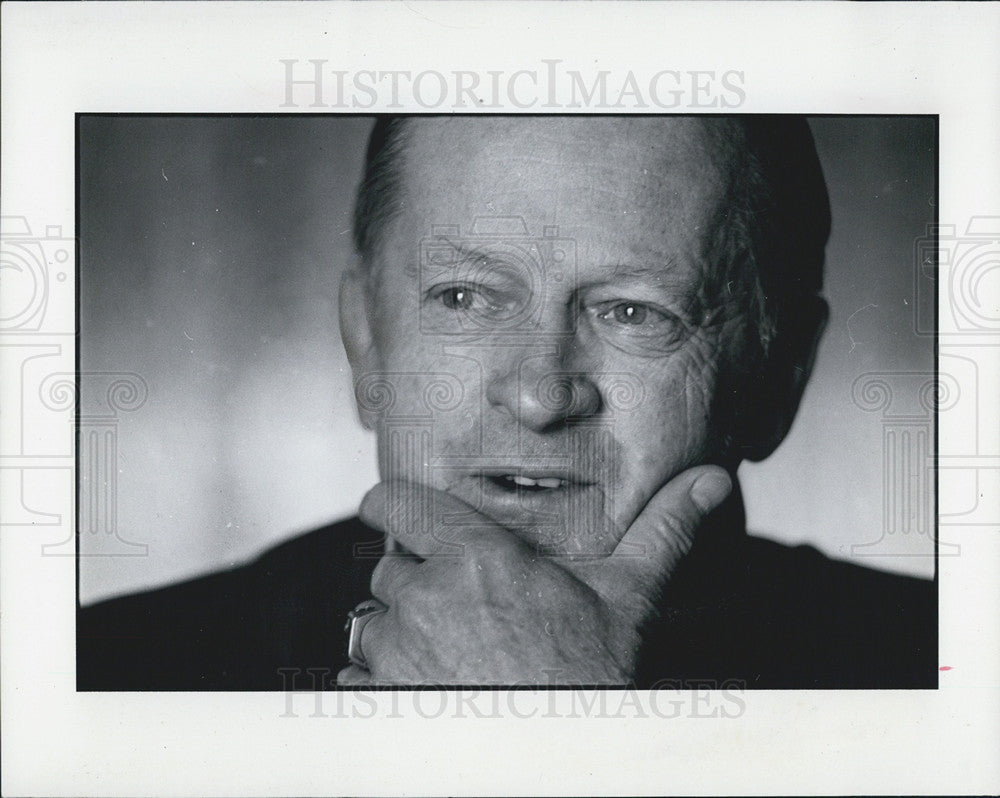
642,193
650,189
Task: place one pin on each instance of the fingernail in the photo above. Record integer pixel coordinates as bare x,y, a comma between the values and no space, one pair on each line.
710,489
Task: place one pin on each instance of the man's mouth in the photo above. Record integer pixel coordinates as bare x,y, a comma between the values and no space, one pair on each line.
531,481
526,483
538,502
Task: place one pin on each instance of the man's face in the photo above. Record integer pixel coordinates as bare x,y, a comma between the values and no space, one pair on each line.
542,311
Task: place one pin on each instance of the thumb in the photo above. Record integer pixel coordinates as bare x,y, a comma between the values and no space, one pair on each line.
664,531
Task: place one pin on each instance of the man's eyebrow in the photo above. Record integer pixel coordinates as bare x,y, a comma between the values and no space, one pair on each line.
465,253
668,267
466,249
696,295
480,249
434,245
664,273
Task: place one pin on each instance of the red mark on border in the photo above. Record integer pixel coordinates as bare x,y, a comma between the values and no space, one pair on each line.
945,668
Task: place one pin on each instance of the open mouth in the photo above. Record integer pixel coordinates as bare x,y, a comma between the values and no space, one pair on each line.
518,482
536,502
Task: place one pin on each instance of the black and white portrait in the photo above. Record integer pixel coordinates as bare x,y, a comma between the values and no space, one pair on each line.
505,400
499,398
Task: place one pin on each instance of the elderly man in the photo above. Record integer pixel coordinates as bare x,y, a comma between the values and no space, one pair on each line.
567,334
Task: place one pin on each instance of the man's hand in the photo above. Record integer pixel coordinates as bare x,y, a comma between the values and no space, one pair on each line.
481,606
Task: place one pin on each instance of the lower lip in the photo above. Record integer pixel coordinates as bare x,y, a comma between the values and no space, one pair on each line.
554,520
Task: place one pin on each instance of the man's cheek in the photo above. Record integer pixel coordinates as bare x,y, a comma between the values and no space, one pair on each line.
694,378
645,452
670,432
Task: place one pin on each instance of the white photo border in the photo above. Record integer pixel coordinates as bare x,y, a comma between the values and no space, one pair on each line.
61,59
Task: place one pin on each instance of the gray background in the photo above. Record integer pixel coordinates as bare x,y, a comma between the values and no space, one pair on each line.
211,250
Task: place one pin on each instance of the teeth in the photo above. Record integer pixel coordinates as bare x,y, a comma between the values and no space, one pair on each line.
544,482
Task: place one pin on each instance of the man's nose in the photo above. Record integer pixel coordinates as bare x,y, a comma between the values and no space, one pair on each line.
541,392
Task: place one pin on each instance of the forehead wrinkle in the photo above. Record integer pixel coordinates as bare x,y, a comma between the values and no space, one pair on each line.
615,189
606,158
665,273
599,147
683,171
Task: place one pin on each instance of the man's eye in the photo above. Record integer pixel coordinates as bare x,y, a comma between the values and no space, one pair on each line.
464,298
474,307
639,328
457,298
634,314
630,313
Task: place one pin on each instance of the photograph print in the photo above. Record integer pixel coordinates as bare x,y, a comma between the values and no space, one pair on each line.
504,400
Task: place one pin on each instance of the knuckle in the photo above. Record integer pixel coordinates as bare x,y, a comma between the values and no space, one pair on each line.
676,530
371,640
412,614
372,507
381,582
674,522
407,597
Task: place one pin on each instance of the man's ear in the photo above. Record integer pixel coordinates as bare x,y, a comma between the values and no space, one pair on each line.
356,330
784,377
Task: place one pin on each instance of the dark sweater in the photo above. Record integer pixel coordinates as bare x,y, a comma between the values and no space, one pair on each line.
739,611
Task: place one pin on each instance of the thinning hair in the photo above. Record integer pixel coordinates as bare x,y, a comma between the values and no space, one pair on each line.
770,240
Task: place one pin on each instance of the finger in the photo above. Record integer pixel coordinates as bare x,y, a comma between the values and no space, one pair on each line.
371,640
392,572
352,675
425,521
665,529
